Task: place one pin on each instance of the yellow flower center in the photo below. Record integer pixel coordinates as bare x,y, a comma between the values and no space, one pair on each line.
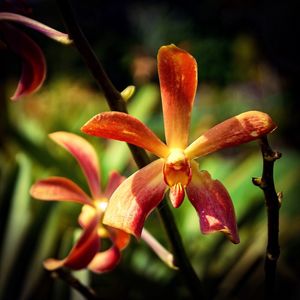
177,168
100,205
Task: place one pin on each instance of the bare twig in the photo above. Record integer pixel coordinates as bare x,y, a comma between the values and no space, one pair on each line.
273,202
116,102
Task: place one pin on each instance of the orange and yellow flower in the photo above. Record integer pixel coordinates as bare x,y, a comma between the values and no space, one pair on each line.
86,252
176,168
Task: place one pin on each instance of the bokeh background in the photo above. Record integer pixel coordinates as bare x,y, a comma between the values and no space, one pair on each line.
248,59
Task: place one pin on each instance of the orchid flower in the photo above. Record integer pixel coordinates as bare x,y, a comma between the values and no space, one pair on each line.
34,65
176,168
86,253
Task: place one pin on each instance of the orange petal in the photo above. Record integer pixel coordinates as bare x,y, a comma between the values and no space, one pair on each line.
135,198
83,251
119,237
123,127
85,155
59,189
177,71
34,64
115,179
213,205
105,261
237,130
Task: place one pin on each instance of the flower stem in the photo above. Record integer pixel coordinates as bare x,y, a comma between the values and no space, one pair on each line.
273,202
67,277
116,103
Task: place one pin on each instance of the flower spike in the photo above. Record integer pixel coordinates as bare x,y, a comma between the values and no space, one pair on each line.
176,168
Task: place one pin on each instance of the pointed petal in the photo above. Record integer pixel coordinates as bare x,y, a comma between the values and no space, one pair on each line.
85,155
44,29
105,261
115,179
59,189
177,71
119,237
237,130
82,252
34,64
123,127
213,205
176,194
135,198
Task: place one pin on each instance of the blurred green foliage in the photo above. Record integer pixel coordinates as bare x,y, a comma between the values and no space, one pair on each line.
234,76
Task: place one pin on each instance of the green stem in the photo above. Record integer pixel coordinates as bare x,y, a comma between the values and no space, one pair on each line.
116,102
272,200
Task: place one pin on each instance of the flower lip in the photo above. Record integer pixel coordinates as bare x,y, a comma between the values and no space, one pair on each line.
177,168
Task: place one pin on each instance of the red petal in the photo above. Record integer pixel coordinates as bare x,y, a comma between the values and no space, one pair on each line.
176,194
34,64
213,205
83,251
123,127
177,71
240,129
85,155
115,179
59,189
105,261
135,198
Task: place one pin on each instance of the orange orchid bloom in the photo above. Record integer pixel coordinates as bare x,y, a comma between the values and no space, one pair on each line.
176,168
85,253
34,64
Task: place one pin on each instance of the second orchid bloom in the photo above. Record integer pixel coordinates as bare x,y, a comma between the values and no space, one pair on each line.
176,168
85,253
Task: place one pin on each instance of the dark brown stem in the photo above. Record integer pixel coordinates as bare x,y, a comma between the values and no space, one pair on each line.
115,102
68,278
273,202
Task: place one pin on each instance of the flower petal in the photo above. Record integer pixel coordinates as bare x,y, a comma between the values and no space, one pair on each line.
176,194
105,261
213,205
123,127
115,179
40,27
34,64
177,71
59,189
135,198
237,130
85,155
83,251
119,237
